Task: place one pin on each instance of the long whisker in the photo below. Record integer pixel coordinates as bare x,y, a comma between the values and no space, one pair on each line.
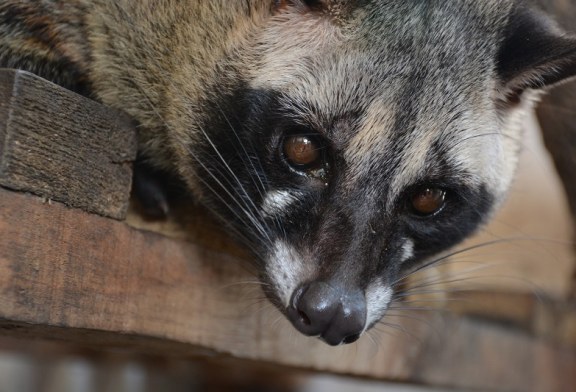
435,261
255,224
234,230
217,180
454,278
244,155
259,184
398,328
237,200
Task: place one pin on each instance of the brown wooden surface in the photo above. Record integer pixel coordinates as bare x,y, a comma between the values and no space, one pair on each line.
557,114
66,274
62,146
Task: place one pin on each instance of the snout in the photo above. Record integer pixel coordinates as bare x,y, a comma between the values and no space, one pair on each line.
336,315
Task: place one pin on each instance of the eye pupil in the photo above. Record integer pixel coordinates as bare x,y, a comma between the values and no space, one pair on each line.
301,150
428,201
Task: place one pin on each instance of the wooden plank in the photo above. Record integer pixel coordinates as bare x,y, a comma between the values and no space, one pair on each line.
62,146
69,275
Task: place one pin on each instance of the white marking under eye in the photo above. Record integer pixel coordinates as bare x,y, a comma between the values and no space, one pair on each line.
407,250
286,270
277,201
378,296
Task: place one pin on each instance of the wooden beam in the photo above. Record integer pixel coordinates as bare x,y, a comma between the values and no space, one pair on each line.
69,275
60,145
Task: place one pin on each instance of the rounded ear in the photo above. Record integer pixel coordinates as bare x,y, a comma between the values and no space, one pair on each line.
534,52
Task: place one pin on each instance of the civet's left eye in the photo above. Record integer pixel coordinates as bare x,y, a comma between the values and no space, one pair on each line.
306,154
302,152
428,201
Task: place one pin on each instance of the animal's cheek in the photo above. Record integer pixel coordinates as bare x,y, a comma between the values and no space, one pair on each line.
378,298
286,269
277,203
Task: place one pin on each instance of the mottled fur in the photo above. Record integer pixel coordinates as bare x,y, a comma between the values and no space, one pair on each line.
403,93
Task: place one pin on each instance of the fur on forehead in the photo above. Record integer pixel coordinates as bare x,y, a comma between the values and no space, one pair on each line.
291,51
367,67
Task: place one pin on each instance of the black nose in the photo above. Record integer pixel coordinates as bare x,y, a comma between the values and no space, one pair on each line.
336,315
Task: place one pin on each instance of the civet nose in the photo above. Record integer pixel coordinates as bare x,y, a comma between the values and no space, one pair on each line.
336,315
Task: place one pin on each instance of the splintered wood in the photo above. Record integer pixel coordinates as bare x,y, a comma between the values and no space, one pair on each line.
63,146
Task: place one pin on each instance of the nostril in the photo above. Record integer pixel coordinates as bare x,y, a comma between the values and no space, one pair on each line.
351,338
304,319
297,295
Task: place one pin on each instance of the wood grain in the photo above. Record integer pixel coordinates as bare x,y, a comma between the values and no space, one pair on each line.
69,275
62,146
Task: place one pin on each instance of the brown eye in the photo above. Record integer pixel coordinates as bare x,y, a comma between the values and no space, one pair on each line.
301,151
428,201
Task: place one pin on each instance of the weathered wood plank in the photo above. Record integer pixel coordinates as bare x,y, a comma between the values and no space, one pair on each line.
62,146
78,277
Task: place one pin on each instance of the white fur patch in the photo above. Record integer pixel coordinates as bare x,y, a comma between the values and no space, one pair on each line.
407,249
286,270
379,294
378,297
277,201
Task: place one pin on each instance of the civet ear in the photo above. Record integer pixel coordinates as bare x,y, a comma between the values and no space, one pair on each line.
534,52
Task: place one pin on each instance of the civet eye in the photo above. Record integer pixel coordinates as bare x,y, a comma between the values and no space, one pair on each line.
428,200
301,151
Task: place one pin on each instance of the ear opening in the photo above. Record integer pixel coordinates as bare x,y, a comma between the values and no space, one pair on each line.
534,53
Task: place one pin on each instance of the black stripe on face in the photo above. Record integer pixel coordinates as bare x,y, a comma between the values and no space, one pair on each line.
464,211
468,203
247,130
